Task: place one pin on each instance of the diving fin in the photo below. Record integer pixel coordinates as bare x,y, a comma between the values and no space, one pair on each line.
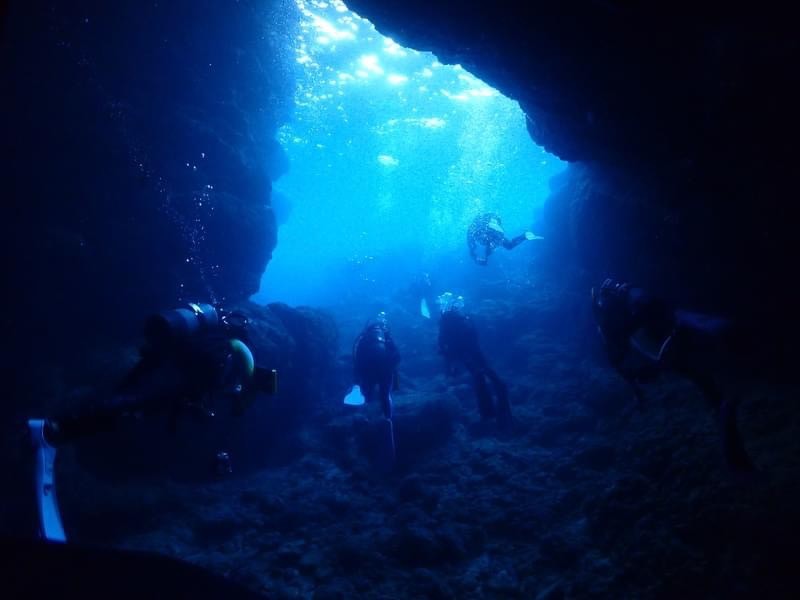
354,397
423,309
46,501
529,235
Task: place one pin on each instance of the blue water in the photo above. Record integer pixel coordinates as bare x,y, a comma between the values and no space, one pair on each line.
392,155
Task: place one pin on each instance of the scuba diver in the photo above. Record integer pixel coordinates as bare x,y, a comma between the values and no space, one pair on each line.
487,231
458,343
191,357
375,360
644,337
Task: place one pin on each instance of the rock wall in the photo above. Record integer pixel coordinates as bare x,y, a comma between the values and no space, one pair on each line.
137,150
681,125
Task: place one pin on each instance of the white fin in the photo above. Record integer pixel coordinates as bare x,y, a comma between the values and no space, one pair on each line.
46,501
423,309
354,397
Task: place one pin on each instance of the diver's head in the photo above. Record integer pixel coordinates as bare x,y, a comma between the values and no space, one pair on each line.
380,321
610,293
450,302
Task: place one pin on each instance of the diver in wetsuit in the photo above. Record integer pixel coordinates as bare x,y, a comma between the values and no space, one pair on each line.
644,337
191,357
487,230
375,360
458,343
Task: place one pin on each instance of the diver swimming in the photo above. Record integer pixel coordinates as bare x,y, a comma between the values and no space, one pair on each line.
375,361
192,358
486,231
458,344
645,337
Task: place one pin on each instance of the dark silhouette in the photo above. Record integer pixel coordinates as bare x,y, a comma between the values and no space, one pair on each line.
645,337
190,359
487,231
375,360
458,343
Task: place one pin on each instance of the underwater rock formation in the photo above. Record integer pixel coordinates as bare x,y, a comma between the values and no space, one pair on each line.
683,124
585,498
302,344
136,137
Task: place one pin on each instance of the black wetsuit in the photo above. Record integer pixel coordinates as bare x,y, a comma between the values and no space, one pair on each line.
685,342
458,343
620,315
375,358
183,375
481,234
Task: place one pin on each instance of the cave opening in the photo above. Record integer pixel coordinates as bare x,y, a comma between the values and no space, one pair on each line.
392,155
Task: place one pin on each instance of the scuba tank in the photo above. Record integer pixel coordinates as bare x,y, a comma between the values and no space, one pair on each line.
179,323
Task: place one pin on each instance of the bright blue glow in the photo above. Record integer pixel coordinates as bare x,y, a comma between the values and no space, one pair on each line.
392,155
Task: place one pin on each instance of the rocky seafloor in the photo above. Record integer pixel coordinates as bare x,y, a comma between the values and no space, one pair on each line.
586,497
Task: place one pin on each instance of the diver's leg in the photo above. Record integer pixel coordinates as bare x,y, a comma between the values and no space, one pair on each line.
87,421
153,392
725,410
368,390
511,244
482,392
385,391
503,406
387,452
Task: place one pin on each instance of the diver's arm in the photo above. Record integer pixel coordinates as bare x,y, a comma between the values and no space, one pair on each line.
357,375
